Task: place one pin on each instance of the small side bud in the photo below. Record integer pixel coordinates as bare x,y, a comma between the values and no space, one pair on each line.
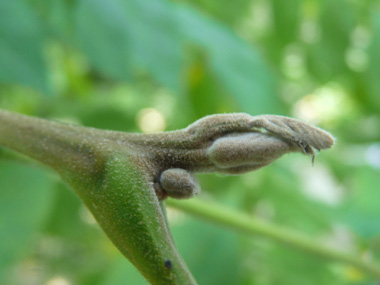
179,183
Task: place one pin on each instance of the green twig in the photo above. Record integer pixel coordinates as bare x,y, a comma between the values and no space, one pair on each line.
123,177
252,226
101,168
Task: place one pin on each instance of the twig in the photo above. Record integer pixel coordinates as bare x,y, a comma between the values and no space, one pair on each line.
246,224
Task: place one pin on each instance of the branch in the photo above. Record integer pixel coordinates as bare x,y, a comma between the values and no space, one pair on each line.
122,177
246,224
111,184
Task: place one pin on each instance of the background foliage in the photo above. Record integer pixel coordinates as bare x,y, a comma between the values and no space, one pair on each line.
143,65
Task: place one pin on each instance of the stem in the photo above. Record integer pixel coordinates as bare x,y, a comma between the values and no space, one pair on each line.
121,177
54,144
249,225
113,186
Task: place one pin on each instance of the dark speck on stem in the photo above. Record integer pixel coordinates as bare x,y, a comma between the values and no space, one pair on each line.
168,264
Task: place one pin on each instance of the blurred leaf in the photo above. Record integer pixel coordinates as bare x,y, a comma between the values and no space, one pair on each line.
125,38
21,39
286,18
283,19
361,210
212,253
64,218
230,12
276,264
106,116
123,272
279,192
238,66
374,66
327,56
205,92
58,17
71,238
25,199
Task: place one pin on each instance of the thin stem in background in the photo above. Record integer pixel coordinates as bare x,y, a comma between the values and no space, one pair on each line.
246,224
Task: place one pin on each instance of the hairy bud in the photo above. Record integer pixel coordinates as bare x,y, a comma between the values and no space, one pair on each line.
231,144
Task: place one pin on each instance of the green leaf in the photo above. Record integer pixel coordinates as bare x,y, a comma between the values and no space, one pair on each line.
374,69
125,38
281,265
21,39
361,210
63,220
123,272
25,199
238,66
212,253
292,207
286,21
327,57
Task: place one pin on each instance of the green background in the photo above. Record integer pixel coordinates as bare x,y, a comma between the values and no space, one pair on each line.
116,64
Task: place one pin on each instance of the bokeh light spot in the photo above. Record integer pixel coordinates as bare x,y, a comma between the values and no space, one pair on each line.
151,120
356,59
373,155
58,280
326,104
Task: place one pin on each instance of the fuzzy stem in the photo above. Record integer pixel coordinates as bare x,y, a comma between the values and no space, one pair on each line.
113,186
121,176
249,225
